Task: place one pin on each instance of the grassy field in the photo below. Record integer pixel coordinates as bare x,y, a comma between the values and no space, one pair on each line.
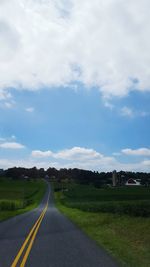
125,237
17,197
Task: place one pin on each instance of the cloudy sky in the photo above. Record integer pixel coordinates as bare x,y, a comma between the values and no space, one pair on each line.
75,84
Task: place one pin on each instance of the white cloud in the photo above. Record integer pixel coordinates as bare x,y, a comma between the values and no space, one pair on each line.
41,154
11,145
4,95
30,109
85,158
108,105
136,152
108,164
102,43
146,163
12,137
78,153
116,154
127,112
76,157
27,163
75,153
9,105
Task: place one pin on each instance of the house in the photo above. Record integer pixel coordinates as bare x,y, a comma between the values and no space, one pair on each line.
131,182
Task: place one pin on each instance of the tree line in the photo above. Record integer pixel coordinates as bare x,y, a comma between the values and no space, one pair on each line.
98,179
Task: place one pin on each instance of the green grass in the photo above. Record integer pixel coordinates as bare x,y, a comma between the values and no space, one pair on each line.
125,237
17,197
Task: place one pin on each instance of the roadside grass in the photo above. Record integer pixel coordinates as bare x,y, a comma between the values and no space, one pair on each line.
17,197
127,238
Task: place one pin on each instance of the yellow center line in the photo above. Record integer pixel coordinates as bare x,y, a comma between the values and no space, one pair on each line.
32,234
31,242
25,243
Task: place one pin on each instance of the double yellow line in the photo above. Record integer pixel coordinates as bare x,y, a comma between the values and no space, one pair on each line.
28,243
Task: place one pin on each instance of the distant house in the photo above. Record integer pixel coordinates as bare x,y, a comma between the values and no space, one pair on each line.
131,182
24,177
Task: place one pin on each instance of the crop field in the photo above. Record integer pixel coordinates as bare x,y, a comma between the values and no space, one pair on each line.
133,201
17,197
116,218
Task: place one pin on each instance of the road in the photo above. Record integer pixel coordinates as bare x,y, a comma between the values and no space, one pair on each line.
49,240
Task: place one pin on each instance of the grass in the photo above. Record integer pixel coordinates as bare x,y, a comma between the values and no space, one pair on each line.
17,197
125,237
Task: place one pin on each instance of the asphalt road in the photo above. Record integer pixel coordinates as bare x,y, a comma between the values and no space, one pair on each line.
58,242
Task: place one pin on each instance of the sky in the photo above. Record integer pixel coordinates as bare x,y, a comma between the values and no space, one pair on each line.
75,84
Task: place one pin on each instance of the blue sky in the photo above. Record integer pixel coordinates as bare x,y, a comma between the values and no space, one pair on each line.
61,119
73,96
